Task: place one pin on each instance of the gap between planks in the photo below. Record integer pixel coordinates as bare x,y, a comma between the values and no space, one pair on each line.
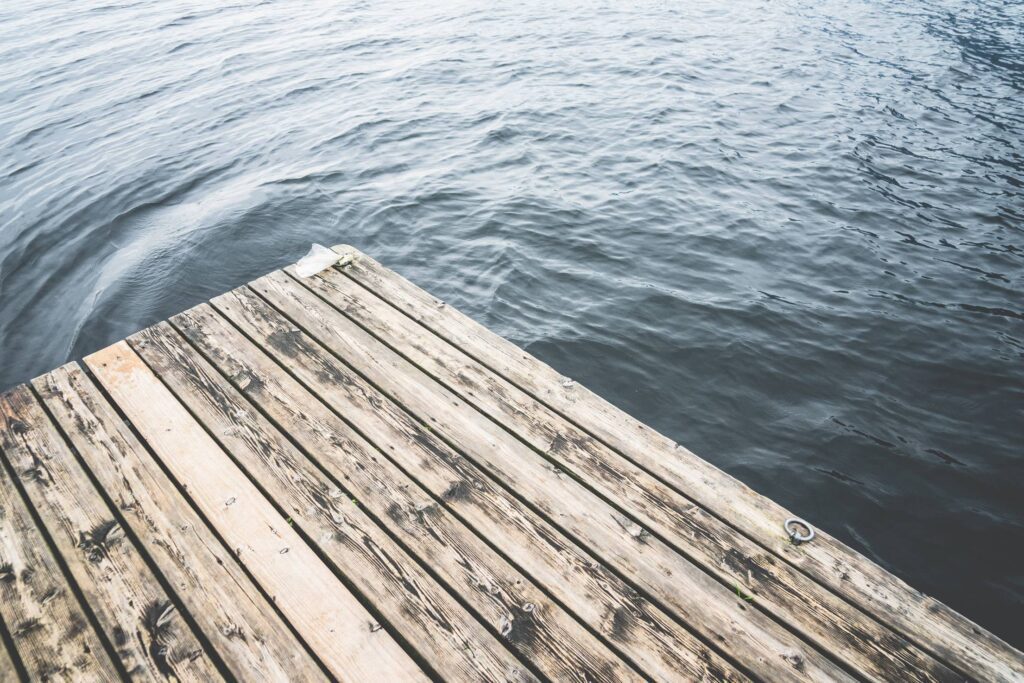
608,550
925,621
791,597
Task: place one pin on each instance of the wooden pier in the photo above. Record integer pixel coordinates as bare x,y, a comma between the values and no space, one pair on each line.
341,477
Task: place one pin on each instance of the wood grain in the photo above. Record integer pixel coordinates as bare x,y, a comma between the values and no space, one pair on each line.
636,627
340,477
744,634
231,612
450,639
816,612
526,619
150,637
50,630
323,611
8,672
927,622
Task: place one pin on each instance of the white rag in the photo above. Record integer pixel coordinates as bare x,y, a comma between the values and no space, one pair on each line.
319,258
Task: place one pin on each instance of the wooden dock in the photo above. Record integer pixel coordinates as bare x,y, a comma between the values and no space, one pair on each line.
341,477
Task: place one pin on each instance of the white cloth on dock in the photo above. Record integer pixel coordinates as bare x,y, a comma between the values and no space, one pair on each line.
318,259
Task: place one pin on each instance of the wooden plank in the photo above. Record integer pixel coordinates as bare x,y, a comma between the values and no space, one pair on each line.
527,620
406,595
705,605
151,639
662,648
325,614
926,621
235,617
500,509
50,630
817,613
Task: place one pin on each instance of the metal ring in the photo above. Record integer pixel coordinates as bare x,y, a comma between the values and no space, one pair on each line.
794,535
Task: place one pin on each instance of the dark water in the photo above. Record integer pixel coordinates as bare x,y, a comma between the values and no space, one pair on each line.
788,234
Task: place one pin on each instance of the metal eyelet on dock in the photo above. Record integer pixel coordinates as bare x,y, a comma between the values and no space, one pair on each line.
794,535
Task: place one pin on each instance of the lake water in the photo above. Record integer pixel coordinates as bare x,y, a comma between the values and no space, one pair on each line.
788,234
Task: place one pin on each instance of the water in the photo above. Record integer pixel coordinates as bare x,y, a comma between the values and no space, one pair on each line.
787,234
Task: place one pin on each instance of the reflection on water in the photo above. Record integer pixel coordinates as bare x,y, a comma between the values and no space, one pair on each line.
787,234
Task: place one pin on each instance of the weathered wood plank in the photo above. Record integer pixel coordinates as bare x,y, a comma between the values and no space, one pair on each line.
705,605
792,597
152,640
528,622
926,621
450,639
325,614
496,508
49,628
234,616
597,596
664,650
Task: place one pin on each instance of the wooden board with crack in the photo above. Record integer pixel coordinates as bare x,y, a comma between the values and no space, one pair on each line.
337,476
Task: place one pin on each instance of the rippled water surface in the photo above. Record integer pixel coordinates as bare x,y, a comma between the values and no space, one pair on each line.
788,234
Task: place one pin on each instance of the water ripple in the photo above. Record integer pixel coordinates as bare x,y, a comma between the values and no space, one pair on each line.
787,234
